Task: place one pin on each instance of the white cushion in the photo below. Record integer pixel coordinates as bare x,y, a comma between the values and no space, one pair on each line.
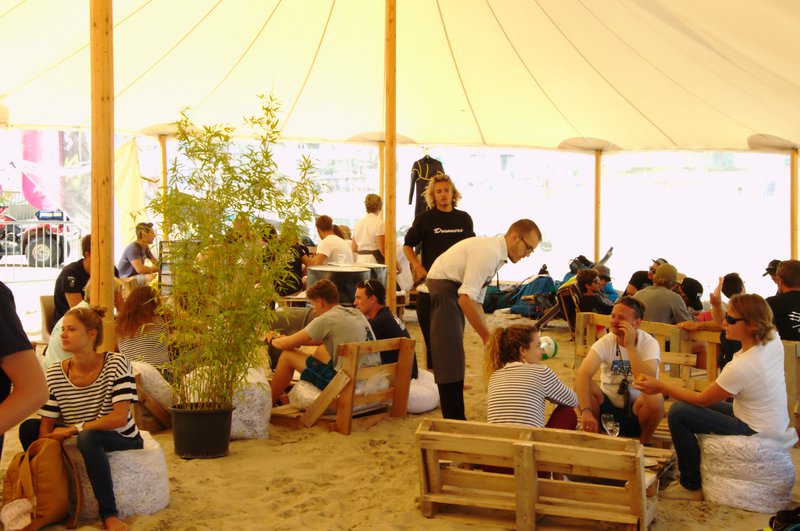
155,384
750,473
252,407
423,395
141,482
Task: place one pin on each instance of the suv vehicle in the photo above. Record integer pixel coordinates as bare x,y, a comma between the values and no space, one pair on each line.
43,240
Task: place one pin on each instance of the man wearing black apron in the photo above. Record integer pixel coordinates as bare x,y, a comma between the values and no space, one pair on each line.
457,283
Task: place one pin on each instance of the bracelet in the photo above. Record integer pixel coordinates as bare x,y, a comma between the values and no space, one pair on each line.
79,427
581,410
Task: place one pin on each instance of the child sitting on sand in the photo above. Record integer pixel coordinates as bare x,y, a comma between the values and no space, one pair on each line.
519,384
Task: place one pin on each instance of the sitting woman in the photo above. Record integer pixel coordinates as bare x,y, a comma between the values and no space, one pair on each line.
755,379
519,384
90,397
141,329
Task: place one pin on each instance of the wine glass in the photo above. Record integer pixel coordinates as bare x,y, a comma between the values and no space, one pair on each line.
613,428
607,419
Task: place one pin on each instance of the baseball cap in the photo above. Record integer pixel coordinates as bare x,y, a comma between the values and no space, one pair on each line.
693,291
666,273
772,268
660,261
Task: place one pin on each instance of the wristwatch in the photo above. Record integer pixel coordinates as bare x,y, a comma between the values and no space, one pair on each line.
79,427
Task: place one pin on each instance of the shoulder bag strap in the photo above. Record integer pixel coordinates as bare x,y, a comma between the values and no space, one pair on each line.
72,519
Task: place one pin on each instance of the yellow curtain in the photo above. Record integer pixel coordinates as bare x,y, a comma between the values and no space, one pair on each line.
128,195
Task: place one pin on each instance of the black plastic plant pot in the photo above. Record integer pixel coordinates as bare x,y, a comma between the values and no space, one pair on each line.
201,433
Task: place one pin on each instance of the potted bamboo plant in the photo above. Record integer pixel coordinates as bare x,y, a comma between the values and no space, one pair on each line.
221,265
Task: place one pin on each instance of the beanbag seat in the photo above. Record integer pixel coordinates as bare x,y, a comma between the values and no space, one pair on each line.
141,482
751,473
423,395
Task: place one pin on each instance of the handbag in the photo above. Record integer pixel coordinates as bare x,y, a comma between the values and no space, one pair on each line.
318,373
36,487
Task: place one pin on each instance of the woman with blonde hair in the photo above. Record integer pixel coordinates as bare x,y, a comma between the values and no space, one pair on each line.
90,397
754,378
518,384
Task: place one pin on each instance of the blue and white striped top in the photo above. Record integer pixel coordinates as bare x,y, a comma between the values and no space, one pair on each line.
517,394
75,404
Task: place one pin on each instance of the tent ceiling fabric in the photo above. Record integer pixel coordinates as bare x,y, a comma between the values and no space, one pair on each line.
636,74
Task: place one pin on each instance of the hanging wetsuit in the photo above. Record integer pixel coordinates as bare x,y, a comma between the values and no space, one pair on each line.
421,173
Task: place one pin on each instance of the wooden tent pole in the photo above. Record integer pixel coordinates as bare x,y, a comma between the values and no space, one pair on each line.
382,174
598,164
391,154
162,141
101,38
793,208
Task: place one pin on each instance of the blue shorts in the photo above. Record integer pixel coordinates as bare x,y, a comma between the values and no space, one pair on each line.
628,426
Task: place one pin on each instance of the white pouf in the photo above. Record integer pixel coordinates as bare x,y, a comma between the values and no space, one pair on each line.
423,395
252,407
155,384
141,482
750,473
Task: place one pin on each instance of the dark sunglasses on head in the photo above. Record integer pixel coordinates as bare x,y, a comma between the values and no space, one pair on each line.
733,320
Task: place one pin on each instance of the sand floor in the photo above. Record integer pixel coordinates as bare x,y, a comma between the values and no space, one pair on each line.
314,479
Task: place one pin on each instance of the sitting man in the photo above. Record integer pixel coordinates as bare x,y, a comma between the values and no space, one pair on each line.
131,264
371,300
606,288
786,304
664,305
331,248
624,352
588,281
642,279
333,325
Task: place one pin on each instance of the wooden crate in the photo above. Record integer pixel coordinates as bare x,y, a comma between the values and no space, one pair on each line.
460,464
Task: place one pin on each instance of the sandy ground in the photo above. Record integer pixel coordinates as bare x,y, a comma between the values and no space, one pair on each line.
369,480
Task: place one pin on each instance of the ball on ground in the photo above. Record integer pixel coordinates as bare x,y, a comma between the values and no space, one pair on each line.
549,347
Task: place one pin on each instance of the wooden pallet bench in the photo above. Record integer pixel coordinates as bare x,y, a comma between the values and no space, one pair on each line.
461,475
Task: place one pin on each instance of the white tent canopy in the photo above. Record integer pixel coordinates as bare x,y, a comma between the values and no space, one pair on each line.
636,73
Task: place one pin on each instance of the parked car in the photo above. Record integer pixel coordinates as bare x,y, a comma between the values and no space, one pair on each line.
44,240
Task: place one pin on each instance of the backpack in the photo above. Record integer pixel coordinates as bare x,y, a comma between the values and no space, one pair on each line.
497,298
36,487
542,289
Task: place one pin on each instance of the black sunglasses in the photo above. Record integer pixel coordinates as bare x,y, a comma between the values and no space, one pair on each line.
733,320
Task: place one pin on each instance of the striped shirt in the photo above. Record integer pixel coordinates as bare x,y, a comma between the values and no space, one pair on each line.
517,394
149,345
74,404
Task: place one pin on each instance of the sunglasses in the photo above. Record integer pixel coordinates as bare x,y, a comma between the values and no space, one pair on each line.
733,320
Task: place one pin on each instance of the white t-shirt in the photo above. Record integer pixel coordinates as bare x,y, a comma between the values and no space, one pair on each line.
472,262
366,232
336,250
757,381
614,366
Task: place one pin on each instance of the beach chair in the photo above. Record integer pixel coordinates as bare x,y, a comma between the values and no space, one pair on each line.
569,298
608,481
348,409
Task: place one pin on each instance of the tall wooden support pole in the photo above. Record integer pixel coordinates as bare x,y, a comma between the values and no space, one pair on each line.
101,38
793,208
598,164
382,174
391,156
162,141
